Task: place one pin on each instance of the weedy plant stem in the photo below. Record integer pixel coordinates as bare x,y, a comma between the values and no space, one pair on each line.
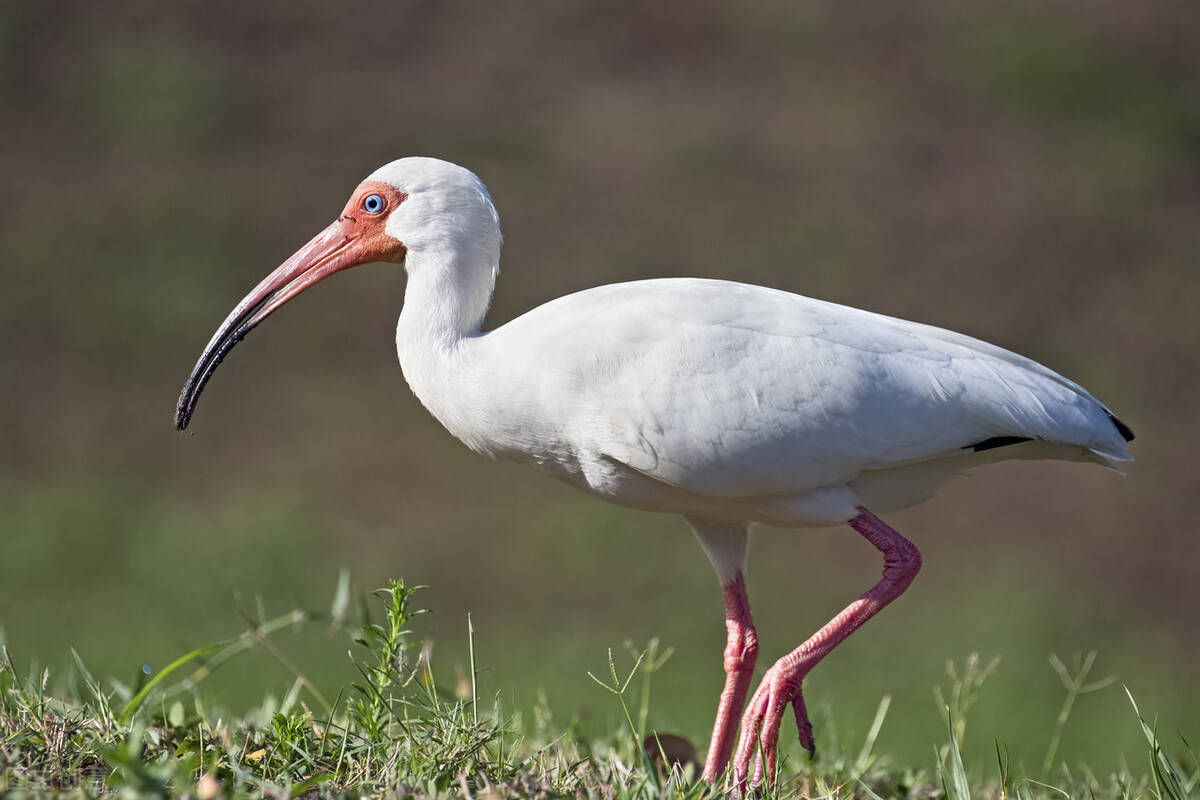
1075,685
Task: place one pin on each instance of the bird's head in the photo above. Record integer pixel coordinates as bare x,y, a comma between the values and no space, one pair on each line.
429,215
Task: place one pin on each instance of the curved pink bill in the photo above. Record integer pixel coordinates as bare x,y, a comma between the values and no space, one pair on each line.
337,247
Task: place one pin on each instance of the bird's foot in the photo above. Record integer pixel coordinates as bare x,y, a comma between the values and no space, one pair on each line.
760,724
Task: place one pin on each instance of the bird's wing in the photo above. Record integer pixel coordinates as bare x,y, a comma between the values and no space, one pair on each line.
729,390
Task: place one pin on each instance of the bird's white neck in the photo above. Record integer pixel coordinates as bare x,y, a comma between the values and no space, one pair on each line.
447,296
445,301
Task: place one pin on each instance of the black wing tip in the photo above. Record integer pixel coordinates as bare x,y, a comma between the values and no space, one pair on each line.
997,441
1125,431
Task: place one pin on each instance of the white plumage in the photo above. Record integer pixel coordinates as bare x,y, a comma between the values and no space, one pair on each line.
706,396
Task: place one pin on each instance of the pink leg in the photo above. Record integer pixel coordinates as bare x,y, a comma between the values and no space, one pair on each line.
741,651
781,683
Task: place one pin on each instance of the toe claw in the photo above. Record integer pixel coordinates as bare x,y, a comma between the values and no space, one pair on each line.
808,744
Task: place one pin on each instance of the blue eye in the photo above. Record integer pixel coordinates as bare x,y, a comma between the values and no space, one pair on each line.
373,203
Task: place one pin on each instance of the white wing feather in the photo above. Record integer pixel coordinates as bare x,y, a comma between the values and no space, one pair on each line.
730,390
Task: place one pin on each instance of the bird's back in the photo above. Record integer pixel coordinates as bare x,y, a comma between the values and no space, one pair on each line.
727,390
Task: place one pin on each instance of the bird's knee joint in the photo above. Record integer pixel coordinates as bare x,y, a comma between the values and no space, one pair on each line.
742,652
903,562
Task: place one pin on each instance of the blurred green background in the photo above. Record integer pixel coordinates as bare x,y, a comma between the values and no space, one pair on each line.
1025,172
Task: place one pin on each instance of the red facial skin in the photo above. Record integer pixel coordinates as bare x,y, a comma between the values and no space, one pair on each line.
367,228
356,237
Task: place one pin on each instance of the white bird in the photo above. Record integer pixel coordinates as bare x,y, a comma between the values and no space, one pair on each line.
724,402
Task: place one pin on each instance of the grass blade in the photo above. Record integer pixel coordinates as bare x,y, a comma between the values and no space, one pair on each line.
1166,774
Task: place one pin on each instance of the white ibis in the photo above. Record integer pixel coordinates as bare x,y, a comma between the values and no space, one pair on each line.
723,402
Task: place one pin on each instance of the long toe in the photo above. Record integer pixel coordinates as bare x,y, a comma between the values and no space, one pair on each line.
769,737
751,725
803,725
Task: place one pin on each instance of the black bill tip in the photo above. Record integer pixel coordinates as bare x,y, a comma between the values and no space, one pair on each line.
232,331
205,367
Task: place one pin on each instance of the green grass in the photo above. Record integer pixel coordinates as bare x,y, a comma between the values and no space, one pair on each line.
399,730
